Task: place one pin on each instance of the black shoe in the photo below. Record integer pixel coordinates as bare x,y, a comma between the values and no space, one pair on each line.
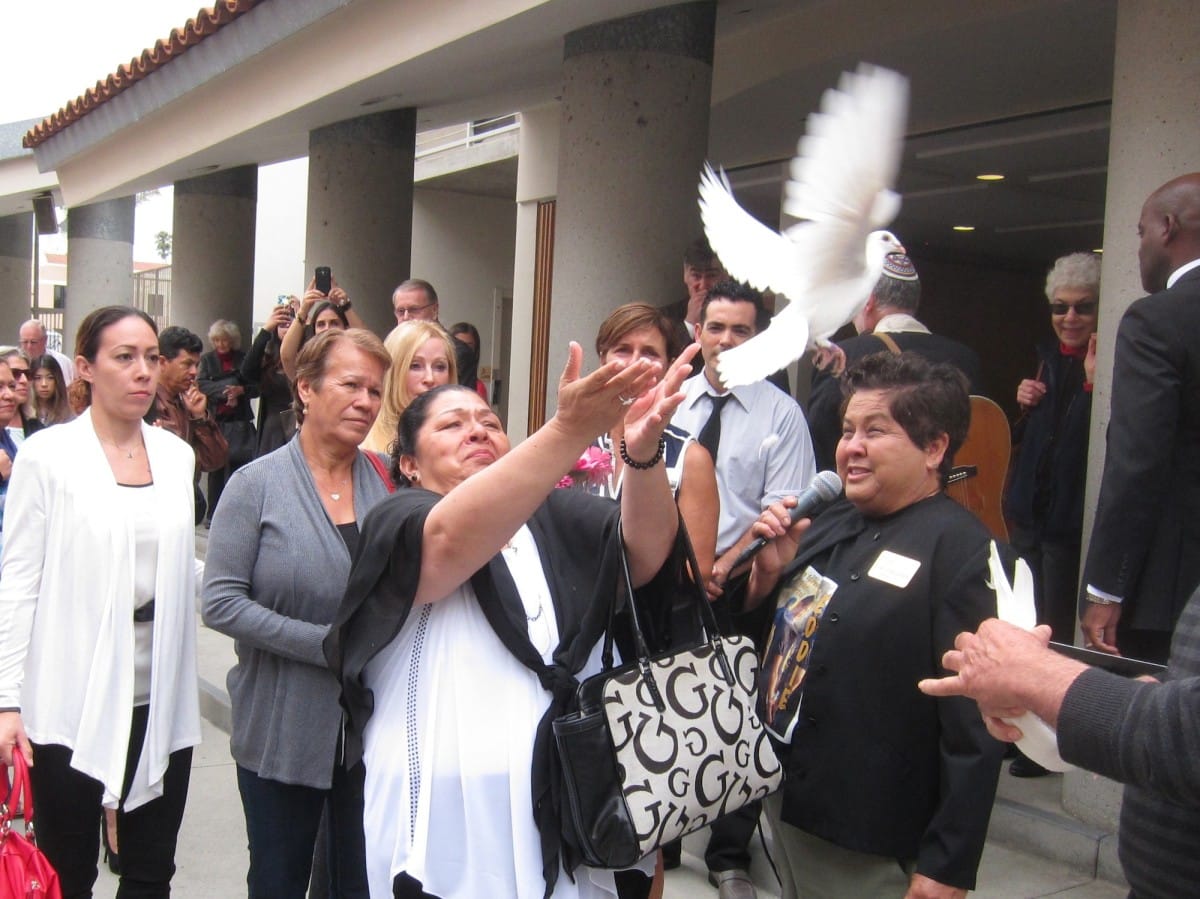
1026,767
672,853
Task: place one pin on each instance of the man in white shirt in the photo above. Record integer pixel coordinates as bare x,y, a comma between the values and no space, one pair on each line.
762,452
33,341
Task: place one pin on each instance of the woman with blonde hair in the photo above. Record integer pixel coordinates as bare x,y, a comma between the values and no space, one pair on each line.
422,358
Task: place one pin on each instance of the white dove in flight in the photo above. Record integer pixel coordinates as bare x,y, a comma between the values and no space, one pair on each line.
840,187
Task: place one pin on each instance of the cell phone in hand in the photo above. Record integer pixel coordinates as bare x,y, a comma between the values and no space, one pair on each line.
324,279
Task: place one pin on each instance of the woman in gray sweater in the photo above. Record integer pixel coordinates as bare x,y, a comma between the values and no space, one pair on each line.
278,559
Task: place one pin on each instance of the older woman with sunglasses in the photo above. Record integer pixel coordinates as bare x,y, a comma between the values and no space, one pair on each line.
25,422
1045,497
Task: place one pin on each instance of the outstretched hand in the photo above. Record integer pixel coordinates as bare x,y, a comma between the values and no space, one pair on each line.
649,415
590,405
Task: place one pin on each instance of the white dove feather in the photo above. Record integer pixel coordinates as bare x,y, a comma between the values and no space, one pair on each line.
1014,604
840,186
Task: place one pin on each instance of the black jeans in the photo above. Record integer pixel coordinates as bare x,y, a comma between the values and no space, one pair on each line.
281,829
69,814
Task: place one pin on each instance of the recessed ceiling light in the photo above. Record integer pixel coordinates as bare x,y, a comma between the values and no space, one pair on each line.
1098,250
989,176
964,227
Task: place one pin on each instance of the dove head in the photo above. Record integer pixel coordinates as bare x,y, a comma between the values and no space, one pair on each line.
879,245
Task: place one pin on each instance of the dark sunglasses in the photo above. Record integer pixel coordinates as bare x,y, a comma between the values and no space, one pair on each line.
1088,307
20,374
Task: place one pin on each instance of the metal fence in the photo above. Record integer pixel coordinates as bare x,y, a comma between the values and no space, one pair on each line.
151,294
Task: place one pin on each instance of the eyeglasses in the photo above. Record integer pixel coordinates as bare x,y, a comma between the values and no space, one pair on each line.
410,311
1087,307
20,374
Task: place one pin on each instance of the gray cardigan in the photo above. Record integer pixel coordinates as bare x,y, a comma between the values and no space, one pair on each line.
274,576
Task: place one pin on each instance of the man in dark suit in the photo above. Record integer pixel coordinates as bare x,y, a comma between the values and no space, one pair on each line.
1144,557
886,323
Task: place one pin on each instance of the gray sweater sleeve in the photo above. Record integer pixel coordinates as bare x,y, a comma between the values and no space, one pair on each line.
231,567
1135,732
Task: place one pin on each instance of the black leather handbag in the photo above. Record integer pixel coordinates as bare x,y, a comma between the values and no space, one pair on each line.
664,745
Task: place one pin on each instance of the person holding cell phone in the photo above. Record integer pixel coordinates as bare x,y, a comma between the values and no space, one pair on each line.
263,366
324,305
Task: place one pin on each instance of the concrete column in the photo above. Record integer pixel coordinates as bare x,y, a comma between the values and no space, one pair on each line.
537,180
99,261
16,273
212,251
360,193
1155,136
635,110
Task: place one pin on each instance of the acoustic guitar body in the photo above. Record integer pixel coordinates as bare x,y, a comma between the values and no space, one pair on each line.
981,465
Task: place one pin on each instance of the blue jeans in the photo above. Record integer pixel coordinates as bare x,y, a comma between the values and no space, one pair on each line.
281,829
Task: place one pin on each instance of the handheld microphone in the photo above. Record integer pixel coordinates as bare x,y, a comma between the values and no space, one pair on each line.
825,488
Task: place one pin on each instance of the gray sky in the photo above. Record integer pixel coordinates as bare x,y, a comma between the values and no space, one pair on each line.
62,47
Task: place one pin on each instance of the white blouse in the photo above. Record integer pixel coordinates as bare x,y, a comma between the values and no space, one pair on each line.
449,747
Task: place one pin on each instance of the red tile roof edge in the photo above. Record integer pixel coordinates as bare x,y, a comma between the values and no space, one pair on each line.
208,21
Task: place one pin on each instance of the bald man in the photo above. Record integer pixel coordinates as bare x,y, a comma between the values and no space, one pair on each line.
1144,558
33,341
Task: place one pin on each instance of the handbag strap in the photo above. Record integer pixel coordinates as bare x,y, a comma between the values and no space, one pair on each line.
710,632
377,464
20,794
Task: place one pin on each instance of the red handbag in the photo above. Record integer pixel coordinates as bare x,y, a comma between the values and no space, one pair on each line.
24,871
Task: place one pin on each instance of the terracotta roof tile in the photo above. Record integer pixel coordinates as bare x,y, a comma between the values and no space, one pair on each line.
208,21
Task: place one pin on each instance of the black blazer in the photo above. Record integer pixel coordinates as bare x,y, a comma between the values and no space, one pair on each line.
825,398
1145,543
875,765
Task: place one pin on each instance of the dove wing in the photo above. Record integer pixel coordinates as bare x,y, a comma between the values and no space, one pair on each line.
841,178
749,250
766,352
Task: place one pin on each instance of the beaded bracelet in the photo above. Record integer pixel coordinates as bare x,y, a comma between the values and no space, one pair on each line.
643,466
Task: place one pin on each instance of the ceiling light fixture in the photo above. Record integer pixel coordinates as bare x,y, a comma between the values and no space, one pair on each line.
964,227
989,176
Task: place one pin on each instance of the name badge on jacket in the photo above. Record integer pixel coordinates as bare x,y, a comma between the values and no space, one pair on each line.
893,568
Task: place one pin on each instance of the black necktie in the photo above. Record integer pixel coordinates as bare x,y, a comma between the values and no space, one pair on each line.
710,434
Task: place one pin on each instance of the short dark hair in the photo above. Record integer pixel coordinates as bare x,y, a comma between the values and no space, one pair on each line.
417,284
736,291
92,328
411,421
699,254
926,399
175,340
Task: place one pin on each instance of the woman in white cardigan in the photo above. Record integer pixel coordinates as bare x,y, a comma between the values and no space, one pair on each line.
97,618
